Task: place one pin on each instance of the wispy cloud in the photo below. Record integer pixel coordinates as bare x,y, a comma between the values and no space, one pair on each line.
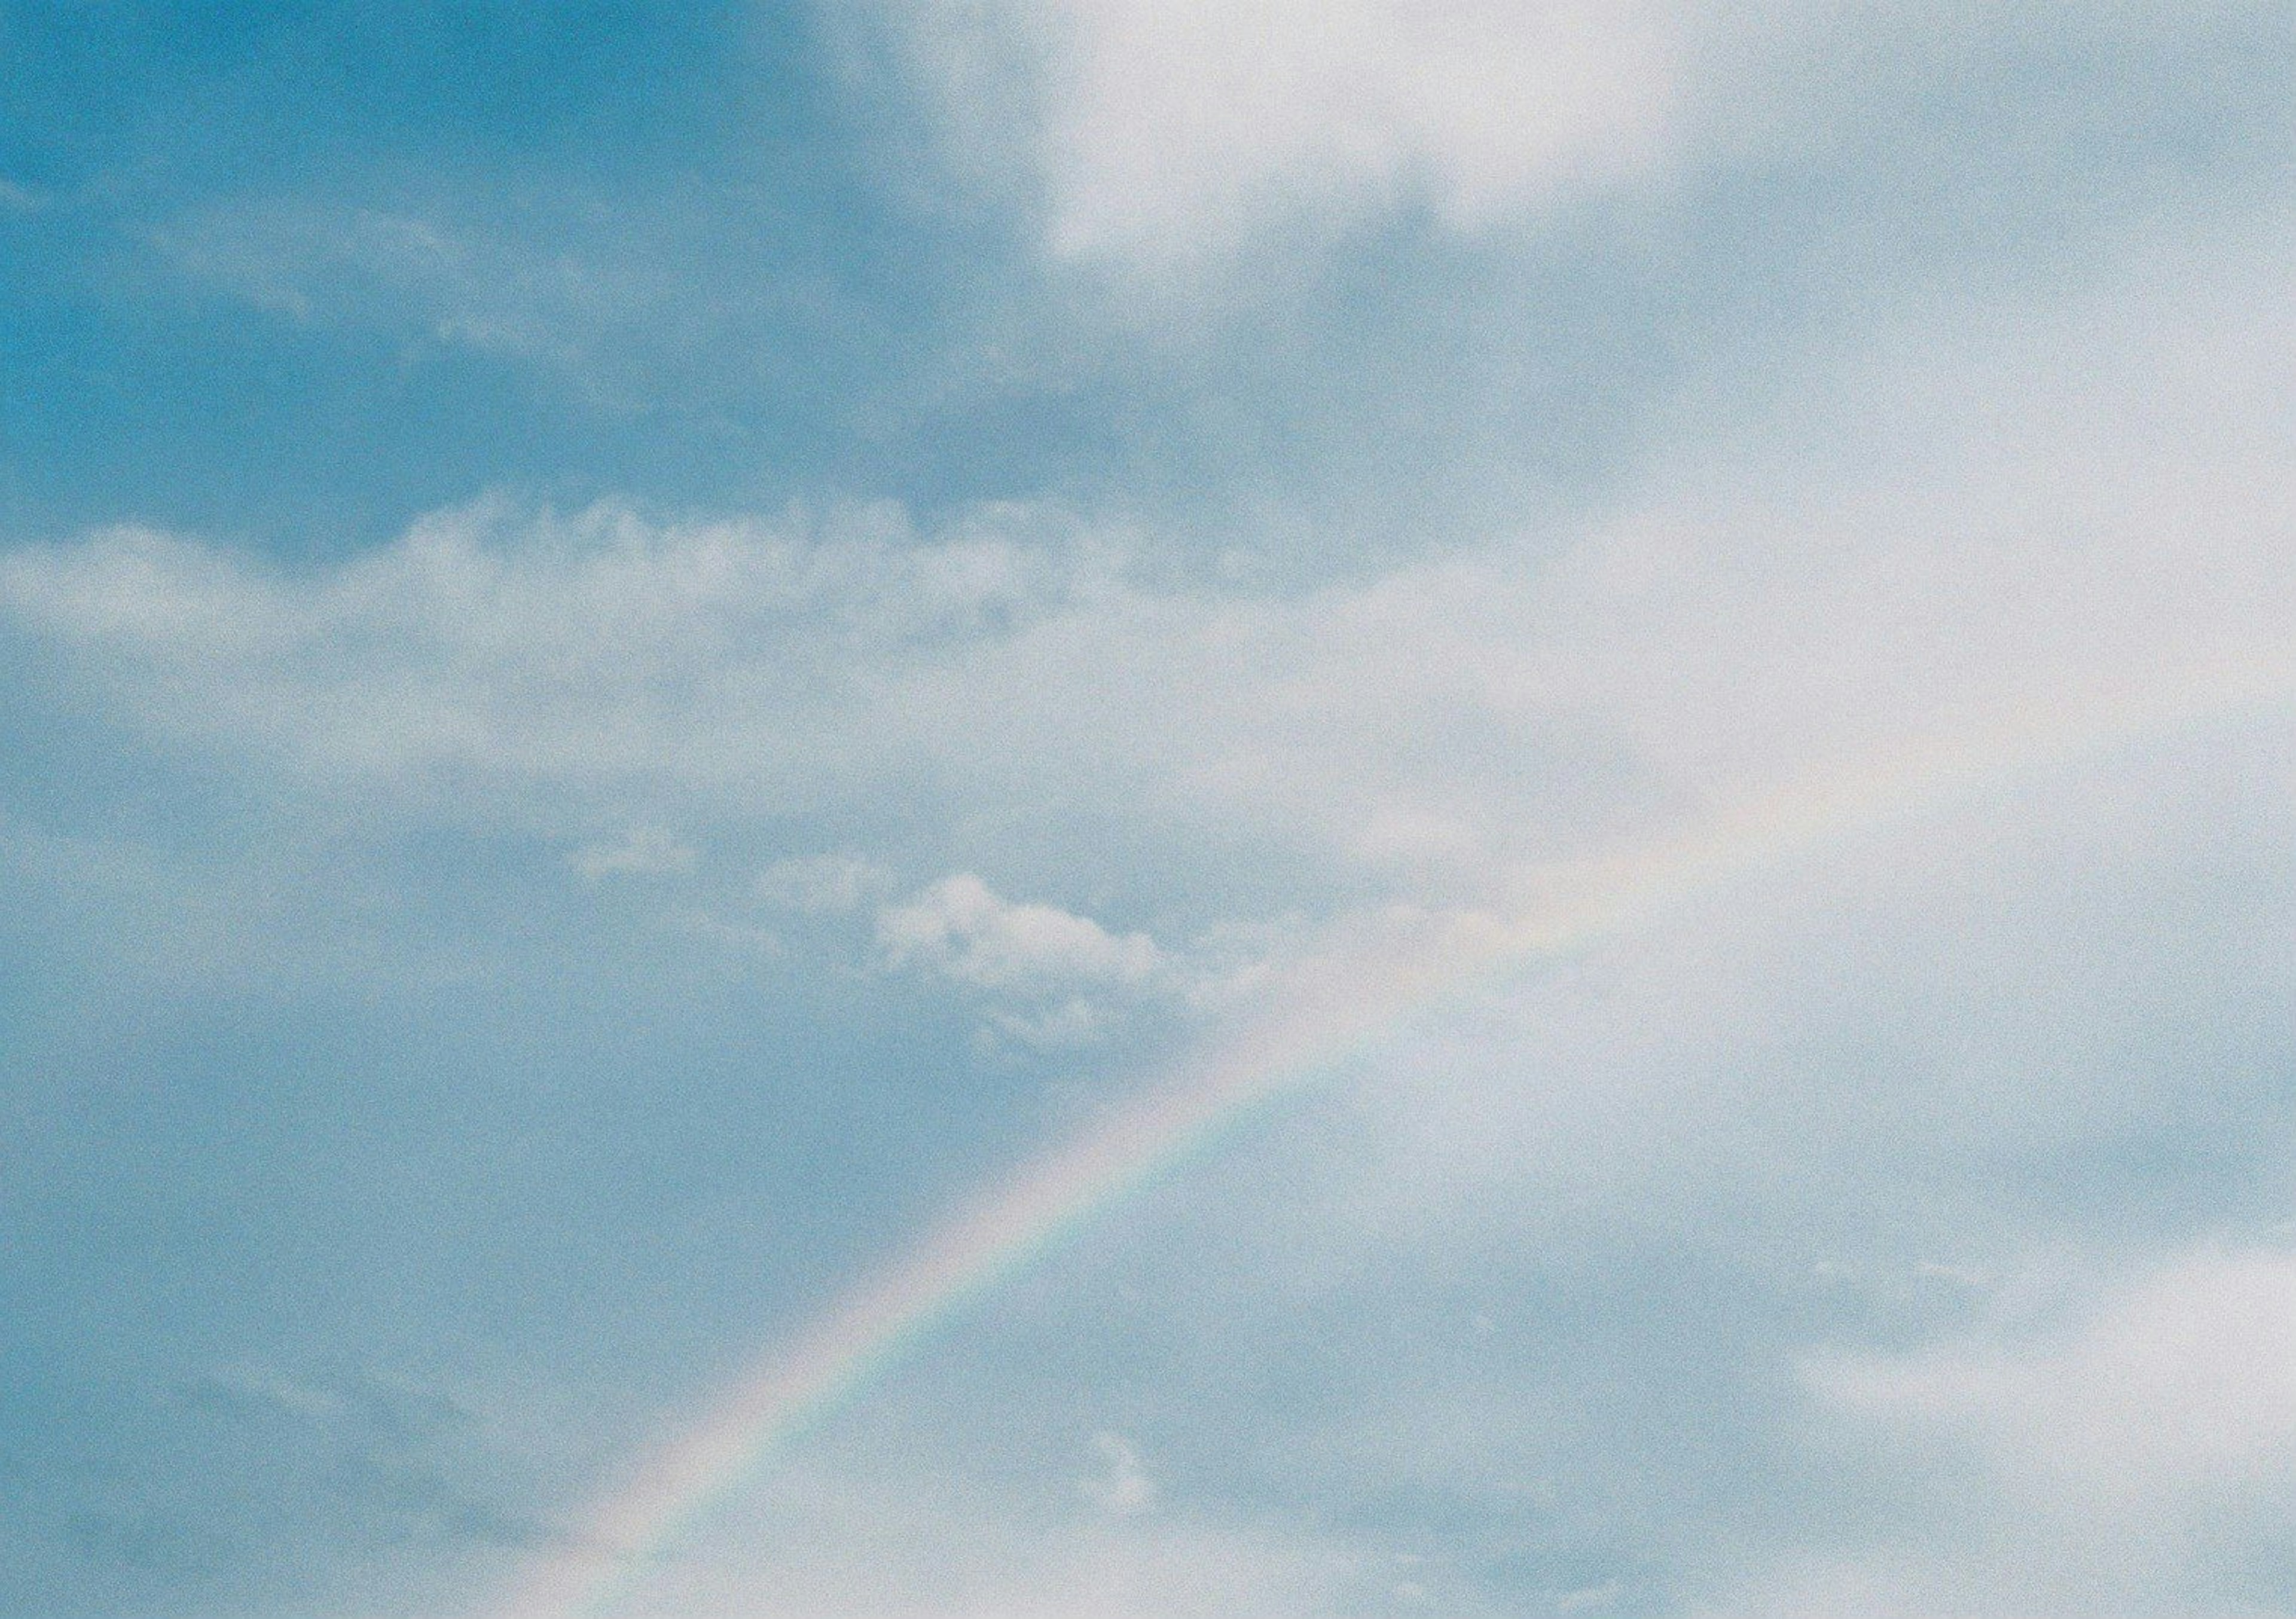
1123,1487
823,884
461,287
641,851
2159,1421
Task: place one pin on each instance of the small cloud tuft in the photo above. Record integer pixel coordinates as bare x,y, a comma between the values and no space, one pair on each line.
640,852
1122,1488
963,929
822,885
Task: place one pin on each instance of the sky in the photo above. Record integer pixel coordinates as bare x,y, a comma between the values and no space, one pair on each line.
1074,809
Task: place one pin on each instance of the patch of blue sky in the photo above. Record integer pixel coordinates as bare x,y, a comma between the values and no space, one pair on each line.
287,260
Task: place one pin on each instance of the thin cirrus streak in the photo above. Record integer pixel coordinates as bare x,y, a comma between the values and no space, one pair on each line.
1327,1026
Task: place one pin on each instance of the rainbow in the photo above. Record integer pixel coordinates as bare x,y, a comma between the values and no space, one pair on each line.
1330,1021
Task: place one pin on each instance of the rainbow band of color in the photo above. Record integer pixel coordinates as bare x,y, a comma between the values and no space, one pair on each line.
1324,1029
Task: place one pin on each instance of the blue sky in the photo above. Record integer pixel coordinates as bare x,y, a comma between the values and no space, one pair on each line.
649,647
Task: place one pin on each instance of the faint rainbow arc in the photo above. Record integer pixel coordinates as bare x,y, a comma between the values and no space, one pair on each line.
801,1379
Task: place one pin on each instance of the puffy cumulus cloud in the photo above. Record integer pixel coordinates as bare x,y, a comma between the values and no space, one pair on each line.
1052,980
1157,131
962,928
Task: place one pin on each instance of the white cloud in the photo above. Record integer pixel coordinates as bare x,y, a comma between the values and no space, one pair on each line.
643,851
963,929
1986,514
1151,139
744,938
483,646
821,884
1471,728
1157,131
468,286
1080,1020
2139,1457
2178,1381
1122,1488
